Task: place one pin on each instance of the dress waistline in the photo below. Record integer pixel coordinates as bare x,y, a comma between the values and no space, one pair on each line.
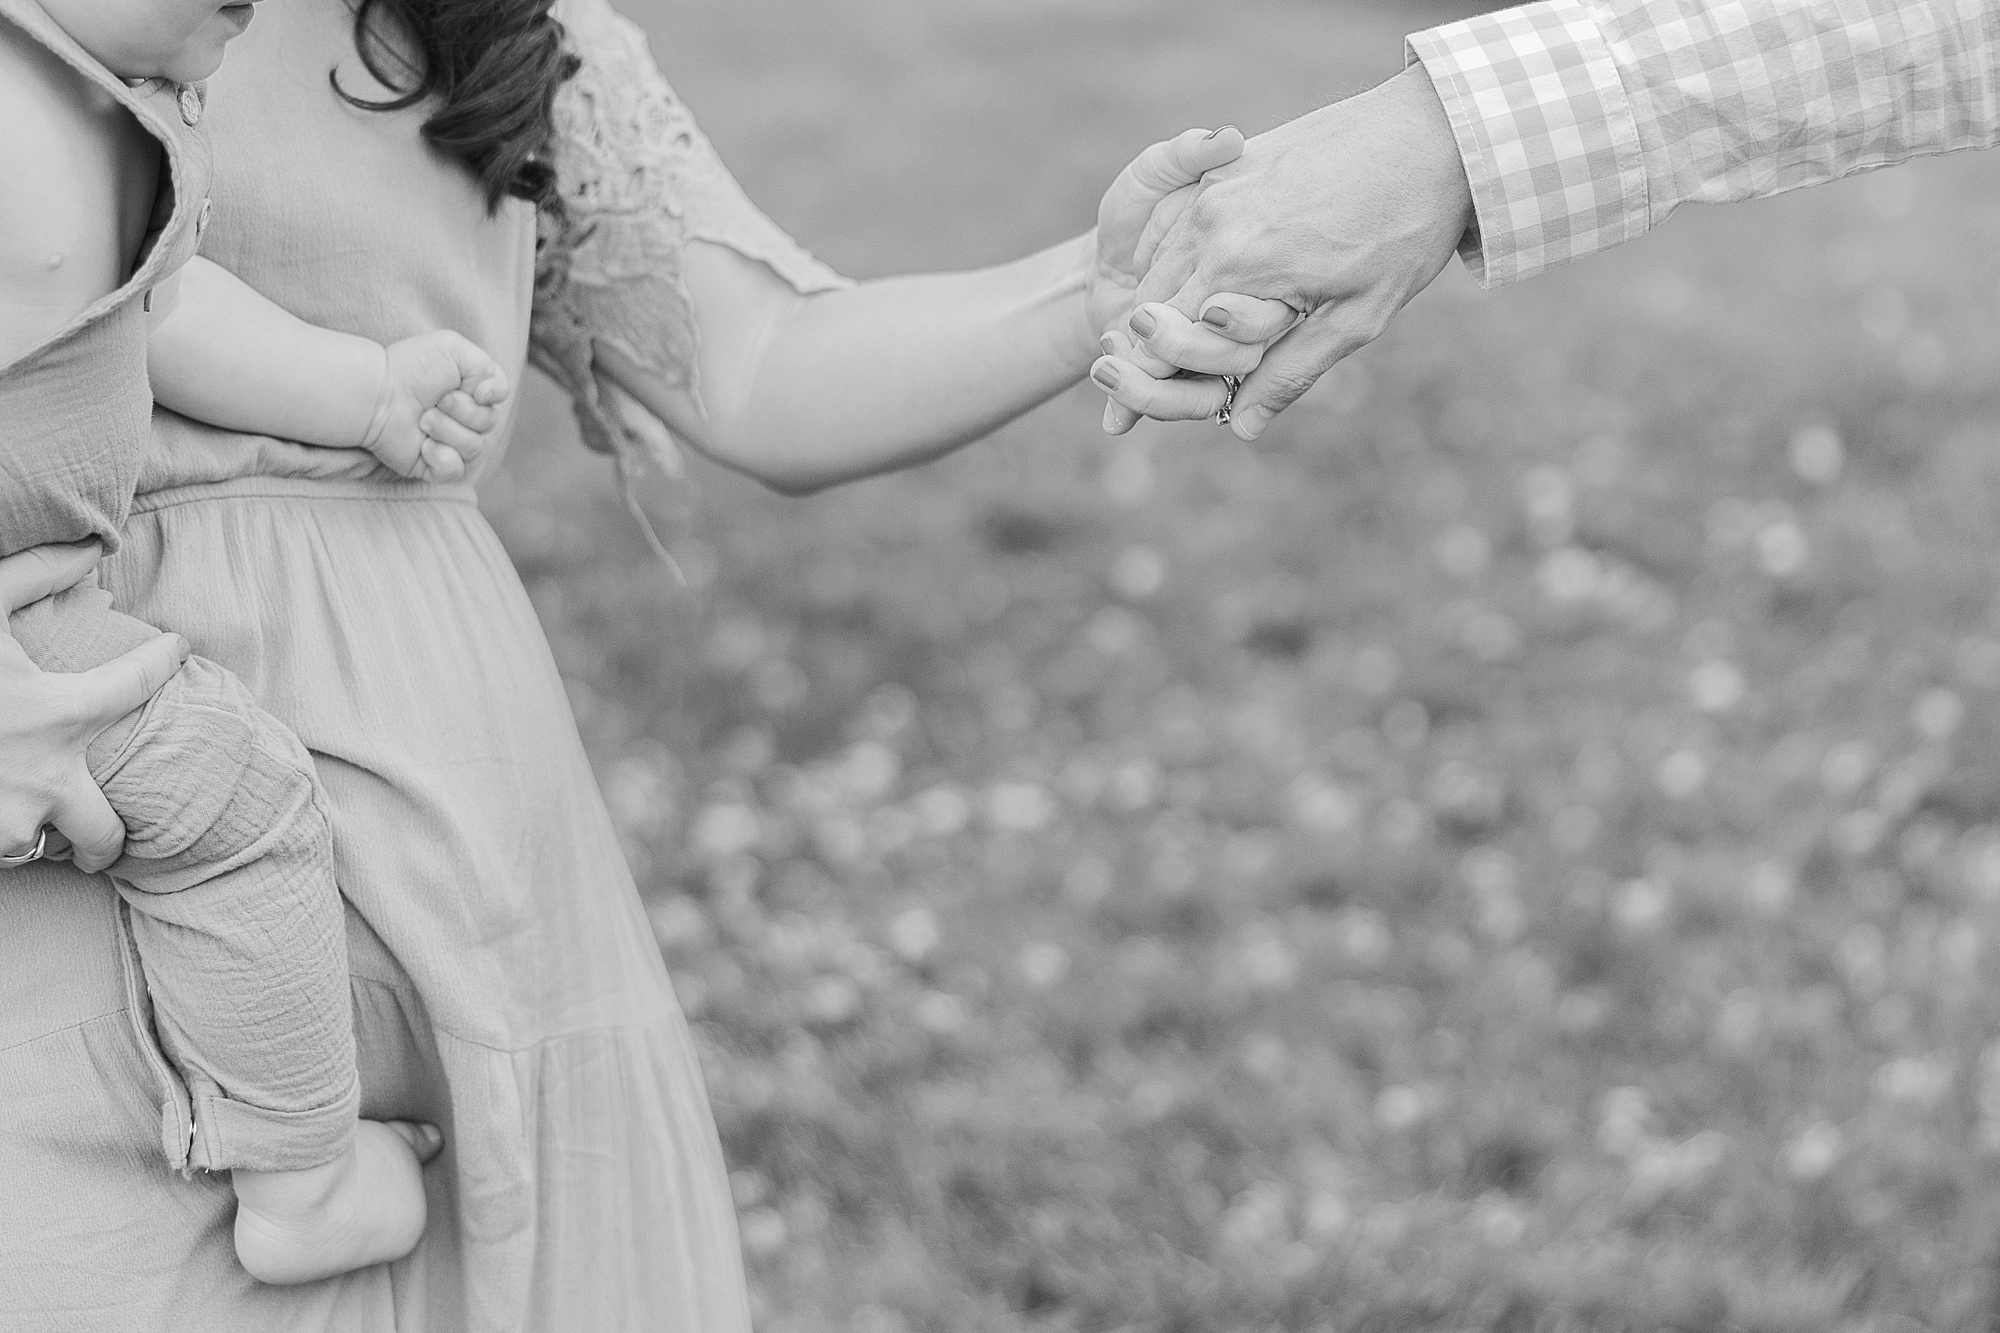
304,488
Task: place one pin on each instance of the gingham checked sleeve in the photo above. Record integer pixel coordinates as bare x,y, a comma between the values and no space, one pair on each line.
1583,123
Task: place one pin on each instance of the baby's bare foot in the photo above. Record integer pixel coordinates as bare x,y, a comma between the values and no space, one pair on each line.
365,1207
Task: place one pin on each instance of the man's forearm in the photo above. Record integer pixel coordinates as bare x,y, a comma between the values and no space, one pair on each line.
1583,125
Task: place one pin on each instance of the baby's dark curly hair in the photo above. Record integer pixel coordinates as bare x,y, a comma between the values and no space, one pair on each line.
492,66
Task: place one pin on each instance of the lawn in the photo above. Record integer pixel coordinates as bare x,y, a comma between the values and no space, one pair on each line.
1518,850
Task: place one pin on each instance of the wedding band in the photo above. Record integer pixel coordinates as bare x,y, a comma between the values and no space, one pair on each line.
1232,384
29,857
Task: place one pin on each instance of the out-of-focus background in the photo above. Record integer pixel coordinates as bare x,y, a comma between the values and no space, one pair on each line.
1518,850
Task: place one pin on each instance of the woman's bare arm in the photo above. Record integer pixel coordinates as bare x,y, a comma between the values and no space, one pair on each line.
807,391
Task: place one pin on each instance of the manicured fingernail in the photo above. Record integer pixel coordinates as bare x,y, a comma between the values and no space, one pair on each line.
1218,133
1109,342
1215,317
185,648
1106,376
1250,422
1143,323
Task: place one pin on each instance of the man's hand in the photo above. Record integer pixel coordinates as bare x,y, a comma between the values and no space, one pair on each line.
47,721
1148,194
1342,215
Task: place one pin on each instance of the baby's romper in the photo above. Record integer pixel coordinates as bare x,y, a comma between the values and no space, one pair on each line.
228,868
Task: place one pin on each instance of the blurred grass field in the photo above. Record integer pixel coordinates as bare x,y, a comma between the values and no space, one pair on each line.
1517,851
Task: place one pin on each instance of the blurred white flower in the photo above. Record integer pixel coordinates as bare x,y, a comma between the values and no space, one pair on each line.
1770,887
1135,785
1817,454
1921,1081
1568,575
1138,573
1740,1022
1129,475
832,1000
1640,906
1401,822
1716,686
726,830
944,811
1327,1215
1623,1119
1398,1107
1321,806
1658,1168
1365,937
1490,637
1782,549
1268,961
1816,1151
763,1231
914,934
1267,1056
940,1014
749,1188
1549,496
1938,714
1499,1220
1020,807
870,770
1683,774
1464,552
1575,828
679,924
1044,964
1375,670
779,686
840,840
1847,767
1259,1219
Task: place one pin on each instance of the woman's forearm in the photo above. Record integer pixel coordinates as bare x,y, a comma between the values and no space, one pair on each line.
806,392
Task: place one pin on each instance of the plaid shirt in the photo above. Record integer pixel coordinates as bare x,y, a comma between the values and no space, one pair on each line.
1584,122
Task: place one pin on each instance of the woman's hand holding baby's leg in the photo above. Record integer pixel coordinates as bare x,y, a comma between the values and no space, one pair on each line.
438,402
365,1207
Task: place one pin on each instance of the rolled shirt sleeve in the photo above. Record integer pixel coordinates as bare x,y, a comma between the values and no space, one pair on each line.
1584,124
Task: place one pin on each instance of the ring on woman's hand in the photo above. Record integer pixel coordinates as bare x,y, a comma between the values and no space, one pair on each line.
1231,383
30,856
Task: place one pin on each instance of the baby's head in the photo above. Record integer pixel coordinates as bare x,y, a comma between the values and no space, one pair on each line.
180,40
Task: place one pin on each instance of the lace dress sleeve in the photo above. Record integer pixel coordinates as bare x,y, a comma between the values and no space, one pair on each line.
638,181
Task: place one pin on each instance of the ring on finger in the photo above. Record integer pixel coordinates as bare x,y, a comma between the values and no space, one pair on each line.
32,855
1230,384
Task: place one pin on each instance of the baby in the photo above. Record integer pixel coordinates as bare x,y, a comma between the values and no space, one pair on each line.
228,873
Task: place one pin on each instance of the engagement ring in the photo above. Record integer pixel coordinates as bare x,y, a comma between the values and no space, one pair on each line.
1232,384
31,856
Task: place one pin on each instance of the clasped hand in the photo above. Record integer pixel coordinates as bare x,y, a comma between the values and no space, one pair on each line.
1272,268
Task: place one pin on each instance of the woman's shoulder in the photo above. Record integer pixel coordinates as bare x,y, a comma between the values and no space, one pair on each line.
78,178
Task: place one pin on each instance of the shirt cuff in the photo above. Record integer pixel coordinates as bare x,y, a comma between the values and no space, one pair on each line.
1548,137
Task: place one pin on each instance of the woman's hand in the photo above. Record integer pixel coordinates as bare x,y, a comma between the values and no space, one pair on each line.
1142,205
48,720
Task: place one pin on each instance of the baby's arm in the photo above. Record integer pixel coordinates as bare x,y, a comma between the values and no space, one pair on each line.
224,354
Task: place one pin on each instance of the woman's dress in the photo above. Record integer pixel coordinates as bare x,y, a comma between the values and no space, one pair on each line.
506,985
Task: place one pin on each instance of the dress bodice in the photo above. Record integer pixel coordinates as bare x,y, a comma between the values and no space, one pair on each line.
74,408
350,220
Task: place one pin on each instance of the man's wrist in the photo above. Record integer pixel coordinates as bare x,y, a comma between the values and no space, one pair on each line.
1447,162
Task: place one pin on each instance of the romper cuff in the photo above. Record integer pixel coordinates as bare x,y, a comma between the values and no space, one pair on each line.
233,1135
1549,141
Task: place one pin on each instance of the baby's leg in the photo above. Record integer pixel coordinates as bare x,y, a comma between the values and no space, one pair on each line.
228,871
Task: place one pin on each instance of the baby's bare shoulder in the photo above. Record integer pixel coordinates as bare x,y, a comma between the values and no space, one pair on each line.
75,169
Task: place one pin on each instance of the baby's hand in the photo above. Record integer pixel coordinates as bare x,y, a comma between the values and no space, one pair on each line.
436,407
